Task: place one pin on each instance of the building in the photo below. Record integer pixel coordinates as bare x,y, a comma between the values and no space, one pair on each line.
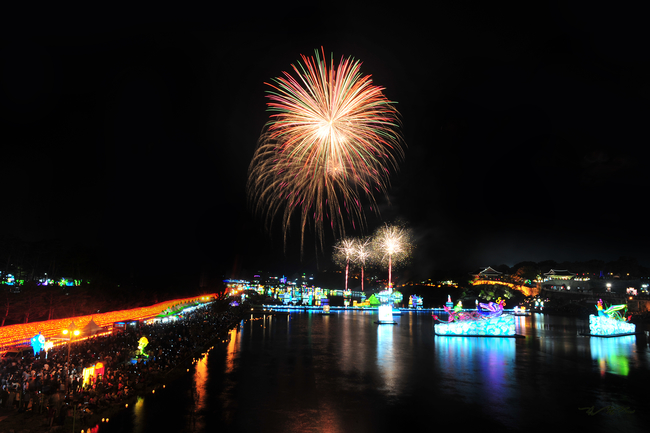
562,279
487,274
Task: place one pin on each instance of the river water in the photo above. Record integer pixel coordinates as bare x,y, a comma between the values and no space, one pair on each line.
308,372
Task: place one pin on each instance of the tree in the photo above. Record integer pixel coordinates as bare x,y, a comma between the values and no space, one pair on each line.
28,303
7,305
526,272
53,298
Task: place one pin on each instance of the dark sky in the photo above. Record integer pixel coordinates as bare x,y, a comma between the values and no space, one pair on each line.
131,131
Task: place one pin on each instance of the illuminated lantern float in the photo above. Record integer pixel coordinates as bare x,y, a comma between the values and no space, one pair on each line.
385,308
415,301
487,321
326,305
93,373
610,322
38,343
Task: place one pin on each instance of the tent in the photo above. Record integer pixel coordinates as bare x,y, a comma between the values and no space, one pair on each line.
91,329
374,302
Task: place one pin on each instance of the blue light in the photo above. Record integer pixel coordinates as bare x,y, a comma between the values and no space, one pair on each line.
502,326
607,326
612,355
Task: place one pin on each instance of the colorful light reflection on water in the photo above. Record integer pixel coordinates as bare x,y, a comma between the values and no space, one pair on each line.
481,369
310,372
613,354
199,392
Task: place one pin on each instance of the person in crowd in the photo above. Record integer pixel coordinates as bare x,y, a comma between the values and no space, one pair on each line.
42,386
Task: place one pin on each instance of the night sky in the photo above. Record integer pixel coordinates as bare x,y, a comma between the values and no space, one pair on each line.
131,131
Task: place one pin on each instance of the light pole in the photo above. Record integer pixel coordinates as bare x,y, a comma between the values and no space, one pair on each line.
71,332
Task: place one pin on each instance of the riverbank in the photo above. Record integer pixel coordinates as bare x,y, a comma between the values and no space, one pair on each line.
35,418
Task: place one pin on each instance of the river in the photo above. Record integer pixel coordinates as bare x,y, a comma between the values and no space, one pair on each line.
308,372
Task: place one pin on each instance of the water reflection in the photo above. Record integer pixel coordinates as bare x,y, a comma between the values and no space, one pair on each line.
199,392
310,372
386,357
559,336
231,349
139,416
478,368
612,354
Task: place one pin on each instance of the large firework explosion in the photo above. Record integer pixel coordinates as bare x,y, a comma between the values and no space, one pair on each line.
331,142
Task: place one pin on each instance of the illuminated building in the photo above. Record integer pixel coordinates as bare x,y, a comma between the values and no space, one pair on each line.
561,279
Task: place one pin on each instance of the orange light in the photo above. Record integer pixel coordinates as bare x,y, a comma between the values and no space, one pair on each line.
15,334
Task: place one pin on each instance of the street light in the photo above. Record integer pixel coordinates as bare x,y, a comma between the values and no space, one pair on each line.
70,332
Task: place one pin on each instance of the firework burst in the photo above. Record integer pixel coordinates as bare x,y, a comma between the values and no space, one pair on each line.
332,141
391,246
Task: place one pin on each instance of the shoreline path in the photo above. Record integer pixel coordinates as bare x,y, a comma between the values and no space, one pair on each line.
34,398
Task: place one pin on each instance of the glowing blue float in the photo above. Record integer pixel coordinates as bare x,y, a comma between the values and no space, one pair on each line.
487,321
610,322
502,326
601,326
38,343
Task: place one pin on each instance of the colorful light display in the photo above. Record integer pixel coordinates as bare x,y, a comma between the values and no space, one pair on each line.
488,321
21,334
612,354
386,314
92,373
501,326
415,301
609,327
491,309
38,342
610,322
527,291
333,139
385,308
142,343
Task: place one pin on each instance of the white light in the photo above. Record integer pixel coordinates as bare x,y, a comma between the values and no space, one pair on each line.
385,313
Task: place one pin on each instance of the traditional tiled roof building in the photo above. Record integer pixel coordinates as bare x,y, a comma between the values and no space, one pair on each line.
487,274
562,279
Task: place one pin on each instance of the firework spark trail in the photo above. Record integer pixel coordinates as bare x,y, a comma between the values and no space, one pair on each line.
344,251
362,254
332,139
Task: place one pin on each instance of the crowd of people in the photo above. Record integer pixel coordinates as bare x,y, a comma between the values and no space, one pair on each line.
46,386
